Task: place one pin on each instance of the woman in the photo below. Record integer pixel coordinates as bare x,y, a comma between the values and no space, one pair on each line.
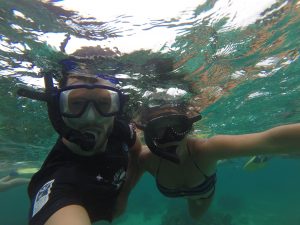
185,166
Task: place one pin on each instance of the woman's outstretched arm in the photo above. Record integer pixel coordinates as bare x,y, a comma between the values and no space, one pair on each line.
278,140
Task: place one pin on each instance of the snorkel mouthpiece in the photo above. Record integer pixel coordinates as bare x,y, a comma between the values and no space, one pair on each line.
86,140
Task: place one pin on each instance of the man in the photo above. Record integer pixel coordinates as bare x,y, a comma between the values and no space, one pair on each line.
91,169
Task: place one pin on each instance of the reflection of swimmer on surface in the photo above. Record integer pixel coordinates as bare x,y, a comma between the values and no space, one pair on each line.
14,179
256,162
260,161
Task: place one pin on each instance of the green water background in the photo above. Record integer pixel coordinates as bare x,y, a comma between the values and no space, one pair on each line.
234,99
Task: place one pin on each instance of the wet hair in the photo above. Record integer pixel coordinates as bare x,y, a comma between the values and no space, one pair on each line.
148,113
69,66
75,68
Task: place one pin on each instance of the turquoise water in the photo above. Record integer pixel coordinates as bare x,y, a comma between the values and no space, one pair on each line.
237,63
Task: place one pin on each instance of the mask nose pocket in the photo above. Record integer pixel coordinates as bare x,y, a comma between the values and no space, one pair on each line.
91,112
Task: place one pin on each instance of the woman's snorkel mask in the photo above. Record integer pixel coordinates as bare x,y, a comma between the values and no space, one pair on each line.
163,134
61,103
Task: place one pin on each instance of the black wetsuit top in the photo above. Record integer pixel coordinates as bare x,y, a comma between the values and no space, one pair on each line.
90,181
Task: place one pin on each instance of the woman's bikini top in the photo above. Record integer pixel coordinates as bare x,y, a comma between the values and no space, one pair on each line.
205,189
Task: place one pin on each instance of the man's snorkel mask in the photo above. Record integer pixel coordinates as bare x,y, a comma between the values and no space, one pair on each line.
163,133
58,103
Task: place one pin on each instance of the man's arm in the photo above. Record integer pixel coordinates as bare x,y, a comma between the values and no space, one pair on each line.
134,171
278,140
133,174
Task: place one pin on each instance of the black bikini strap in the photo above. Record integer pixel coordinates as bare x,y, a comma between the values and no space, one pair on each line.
157,171
158,167
196,165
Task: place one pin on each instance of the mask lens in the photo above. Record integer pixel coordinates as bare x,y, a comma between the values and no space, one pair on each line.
180,127
73,102
107,102
166,126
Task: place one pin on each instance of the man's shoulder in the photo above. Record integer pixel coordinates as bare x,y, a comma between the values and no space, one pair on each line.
124,131
57,152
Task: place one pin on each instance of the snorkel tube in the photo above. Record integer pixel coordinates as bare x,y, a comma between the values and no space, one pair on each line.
86,141
168,154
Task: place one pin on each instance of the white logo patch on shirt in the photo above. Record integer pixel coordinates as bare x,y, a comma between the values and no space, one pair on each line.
42,197
132,129
119,178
